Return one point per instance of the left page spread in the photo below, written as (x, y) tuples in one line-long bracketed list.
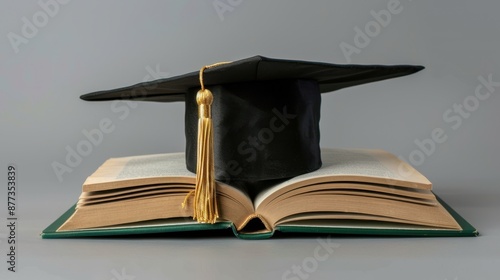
[(144, 188)]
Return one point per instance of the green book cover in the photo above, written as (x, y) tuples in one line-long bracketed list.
[(317, 227)]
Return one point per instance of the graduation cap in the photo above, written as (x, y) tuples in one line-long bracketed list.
[(251, 120)]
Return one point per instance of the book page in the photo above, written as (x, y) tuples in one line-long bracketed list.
[(360, 224), (160, 165), (356, 165), (139, 170)]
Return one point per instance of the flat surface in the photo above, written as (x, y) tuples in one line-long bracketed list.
[(443, 120)]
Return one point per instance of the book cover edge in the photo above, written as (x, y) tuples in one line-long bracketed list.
[(467, 229), (51, 231)]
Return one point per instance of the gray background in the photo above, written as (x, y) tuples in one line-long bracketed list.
[(86, 46)]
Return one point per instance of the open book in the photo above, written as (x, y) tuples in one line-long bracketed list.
[(354, 192)]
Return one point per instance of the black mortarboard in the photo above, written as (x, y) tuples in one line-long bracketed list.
[(265, 111)]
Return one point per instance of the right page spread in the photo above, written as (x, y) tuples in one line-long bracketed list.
[(356, 165)]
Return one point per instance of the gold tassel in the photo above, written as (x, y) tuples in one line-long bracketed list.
[(205, 208)]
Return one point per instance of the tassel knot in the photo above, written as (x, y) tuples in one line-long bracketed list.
[(204, 98)]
